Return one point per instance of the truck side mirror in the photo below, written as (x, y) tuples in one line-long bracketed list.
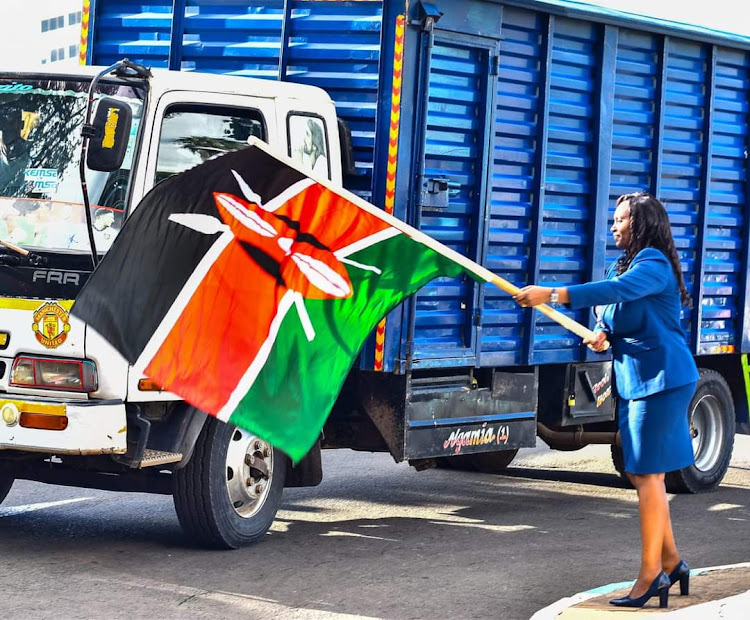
[(108, 135)]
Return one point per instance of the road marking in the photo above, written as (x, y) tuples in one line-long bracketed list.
[(17, 510), (719, 507), (356, 535)]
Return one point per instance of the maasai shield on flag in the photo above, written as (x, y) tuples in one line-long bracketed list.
[(247, 289)]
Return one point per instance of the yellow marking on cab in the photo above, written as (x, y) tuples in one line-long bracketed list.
[(122, 430), (3, 338), (43, 408), (14, 303)]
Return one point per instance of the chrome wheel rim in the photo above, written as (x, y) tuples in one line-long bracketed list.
[(249, 472), (707, 430)]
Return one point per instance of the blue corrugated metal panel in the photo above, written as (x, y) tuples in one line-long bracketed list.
[(631, 19), (511, 200), (569, 182), (336, 46), (635, 129), (134, 29), (235, 37), (453, 150), (636, 96), (602, 172), (723, 277), (682, 152), (333, 45)]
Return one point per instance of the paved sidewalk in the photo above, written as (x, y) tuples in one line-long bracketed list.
[(721, 592)]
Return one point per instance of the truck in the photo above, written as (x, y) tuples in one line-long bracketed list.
[(504, 129)]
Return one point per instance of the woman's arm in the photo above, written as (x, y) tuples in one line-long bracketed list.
[(649, 273)]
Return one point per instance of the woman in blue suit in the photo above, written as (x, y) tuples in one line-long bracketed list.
[(655, 374)]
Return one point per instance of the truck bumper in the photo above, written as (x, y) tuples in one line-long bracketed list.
[(90, 427)]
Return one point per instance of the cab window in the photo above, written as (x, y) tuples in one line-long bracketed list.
[(192, 134), (307, 137)]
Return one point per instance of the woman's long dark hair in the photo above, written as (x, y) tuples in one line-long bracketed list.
[(649, 228)]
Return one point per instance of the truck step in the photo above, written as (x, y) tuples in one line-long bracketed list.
[(159, 457)]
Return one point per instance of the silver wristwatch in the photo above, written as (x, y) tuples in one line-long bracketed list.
[(553, 296)]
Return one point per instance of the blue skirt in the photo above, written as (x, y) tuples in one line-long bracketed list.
[(655, 431)]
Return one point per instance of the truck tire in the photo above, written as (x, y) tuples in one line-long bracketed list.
[(711, 416), (227, 495), (618, 462), (6, 482), (485, 462)]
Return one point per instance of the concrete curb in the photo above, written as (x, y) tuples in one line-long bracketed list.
[(735, 606)]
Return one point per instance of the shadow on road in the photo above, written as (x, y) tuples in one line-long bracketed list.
[(386, 542)]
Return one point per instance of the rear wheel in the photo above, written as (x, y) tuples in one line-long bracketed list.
[(228, 494), (6, 482), (618, 461), (711, 416)]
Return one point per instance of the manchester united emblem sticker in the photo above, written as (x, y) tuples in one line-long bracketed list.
[(51, 325)]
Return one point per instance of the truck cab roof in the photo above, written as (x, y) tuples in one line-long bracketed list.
[(165, 81)]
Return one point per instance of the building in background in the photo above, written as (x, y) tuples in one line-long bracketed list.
[(40, 32)]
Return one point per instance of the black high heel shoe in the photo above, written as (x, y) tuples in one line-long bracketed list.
[(681, 573), (659, 586)]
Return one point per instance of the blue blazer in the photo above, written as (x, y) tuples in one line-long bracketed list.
[(642, 318)]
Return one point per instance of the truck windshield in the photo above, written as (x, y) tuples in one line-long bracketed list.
[(41, 204)]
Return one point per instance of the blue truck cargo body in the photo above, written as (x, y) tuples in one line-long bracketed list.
[(537, 114)]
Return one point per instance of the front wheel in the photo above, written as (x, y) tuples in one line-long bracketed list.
[(227, 495), (711, 416), (6, 482)]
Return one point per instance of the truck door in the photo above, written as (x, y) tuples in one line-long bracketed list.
[(450, 192), (192, 127)]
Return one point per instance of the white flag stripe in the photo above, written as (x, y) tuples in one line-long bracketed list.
[(366, 242), (354, 263), (251, 374), (181, 301), (246, 190), (289, 193), (206, 224), (304, 317)]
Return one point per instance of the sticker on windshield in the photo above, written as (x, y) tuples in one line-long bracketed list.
[(51, 324), (15, 87), (43, 178)]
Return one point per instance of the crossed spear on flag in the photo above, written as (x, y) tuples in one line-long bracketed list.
[(247, 288)]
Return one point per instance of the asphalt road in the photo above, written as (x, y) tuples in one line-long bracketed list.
[(375, 539)]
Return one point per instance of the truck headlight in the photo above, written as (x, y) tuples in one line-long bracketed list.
[(54, 374)]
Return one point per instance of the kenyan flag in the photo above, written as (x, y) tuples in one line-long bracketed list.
[(247, 289)]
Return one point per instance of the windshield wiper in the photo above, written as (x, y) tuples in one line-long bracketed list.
[(9, 259)]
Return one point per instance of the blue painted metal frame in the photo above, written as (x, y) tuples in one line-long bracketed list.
[(286, 27), (744, 297), (602, 167), (495, 417), (535, 244), (176, 34), (482, 238), (425, 42), (479, 224), (704, 207), (92, 31), (661, 89)]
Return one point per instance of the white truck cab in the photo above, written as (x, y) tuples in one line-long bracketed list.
[(72, 411)]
